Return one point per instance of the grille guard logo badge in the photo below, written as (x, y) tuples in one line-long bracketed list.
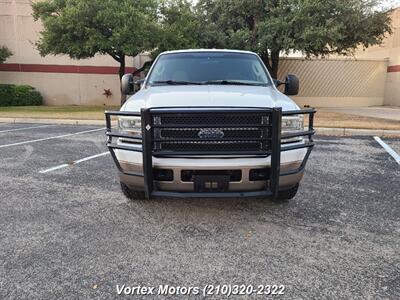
[(211, 133)]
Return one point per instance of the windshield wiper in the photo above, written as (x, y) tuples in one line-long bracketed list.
[(176, 82), (233, 82), (227, 82)]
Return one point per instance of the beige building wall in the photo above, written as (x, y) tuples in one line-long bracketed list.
[(390, 50), (392, 92), (337, 82), (69, 89), (64, 85)]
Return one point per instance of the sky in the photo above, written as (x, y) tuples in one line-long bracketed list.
[(391, 3)]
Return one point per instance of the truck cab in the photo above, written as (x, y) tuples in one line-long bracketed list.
[(210, 123)]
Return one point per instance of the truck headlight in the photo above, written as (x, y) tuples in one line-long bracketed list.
[(130, 125), (292, 124)]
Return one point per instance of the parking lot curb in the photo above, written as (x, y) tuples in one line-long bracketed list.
[(53, 121), (357, 132), (320, 130)]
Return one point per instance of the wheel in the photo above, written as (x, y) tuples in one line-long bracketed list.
[(287, 194), (131, 194)]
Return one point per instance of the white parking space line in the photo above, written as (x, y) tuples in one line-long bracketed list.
[(51, 138), (24, 128), (388, 149), (54, 168), (73, 162)]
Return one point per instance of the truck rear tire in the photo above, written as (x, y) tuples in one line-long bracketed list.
[(132, 194), (287, 194)]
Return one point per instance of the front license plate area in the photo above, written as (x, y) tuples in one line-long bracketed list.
[(211, 183)]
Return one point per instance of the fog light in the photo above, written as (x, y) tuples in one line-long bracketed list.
[(259, 174), (163, 174)]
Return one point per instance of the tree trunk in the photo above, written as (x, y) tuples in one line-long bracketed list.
[(265, 59), (274, 63), (121, 73)]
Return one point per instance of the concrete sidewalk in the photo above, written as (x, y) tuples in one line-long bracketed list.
[(357, 132), (380, 112), (54, 121)]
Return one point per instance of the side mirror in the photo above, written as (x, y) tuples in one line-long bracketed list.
[(127, 84), (277, 82), (137, 85), (291, 85)]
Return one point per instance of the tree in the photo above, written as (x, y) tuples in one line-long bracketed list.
[(179, 26), (271, 27), (4, 54), (84, 28)]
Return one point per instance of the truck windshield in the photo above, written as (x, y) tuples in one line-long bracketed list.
[(209, 68)]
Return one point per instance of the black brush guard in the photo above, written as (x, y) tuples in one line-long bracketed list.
[(273, 138)]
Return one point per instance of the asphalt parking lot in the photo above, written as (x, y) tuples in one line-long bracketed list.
[(68, 232)]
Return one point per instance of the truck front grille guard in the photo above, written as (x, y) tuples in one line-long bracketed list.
[(273, 136)]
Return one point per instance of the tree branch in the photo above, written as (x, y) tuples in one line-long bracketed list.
[(118, 58)]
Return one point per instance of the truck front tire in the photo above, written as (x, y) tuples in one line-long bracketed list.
[(287, 194), (131, 194)]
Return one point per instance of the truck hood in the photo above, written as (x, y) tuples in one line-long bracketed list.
[(209, 95)]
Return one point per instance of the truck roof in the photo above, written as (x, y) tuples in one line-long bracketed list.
[(207, 50)]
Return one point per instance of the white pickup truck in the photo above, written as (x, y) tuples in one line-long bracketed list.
[(210, 123)]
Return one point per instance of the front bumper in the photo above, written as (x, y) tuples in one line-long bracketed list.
[(178, 185), (132, 162), (286, 162)]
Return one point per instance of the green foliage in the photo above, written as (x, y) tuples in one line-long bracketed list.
[(83, 28), (19, 95), (178, 26), (270, 27), (7, 94), (27, 95), (4, 54)]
